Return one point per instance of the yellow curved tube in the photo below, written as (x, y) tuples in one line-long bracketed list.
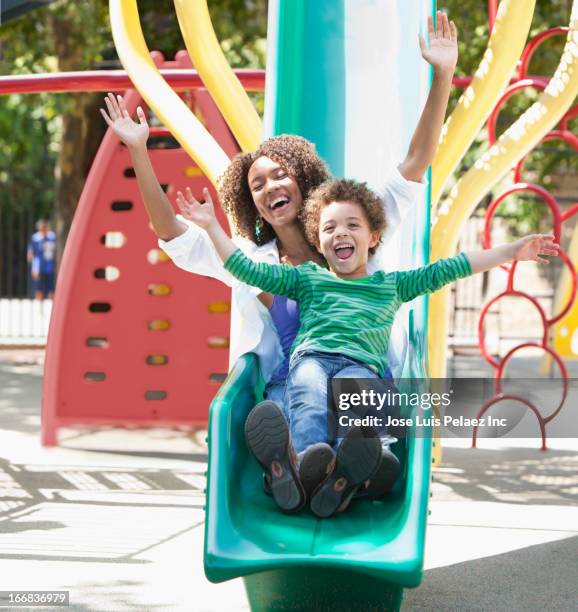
[(219, 79), (490, 79), (171, 110), (516, 142), (566, 330)]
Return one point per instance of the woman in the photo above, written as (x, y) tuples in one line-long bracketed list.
[(263, 192)]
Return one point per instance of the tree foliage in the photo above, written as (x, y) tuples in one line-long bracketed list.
[(48, 141), (548, 163)]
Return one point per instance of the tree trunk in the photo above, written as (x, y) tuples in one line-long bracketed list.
[(82, 128), (82, 131)]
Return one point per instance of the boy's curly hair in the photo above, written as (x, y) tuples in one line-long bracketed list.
[(297, 155), (342, 190)]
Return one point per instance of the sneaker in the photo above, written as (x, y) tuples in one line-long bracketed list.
[(357, 459), (315, 464), (267, 484), (317, 461), (383, 480), (267, 436)]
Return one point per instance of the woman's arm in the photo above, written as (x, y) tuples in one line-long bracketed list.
[(442, 55), (135, 135), (189, 247)]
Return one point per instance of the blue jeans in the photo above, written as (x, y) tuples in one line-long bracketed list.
[(306, 395), (275, 392)]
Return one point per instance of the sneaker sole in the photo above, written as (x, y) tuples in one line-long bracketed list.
[(358, 458), (384, 478), (313, 467), (267, 436)]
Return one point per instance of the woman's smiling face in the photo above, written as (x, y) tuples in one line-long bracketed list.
[(275, 192)]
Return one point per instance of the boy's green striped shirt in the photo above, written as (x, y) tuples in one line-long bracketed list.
[(349, 317)]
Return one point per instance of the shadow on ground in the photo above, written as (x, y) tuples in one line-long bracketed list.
[(500, 583), (20, 390), (514, 475)]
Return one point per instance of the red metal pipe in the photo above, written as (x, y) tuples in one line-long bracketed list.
[(517, 398), (492, 12), (572, 270), (521, 187), (481, 331), (555, 357), (570, 212), (571, 114), (538, 82), (531, 47), (117, 80), (565, 136), (508, 356), (114, 80), (464, 81)]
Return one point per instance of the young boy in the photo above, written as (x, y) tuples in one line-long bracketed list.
[(346, 318)]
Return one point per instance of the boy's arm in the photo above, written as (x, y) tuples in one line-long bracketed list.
[(278, 279), (529, 248), (194, 252), (430, 278), (135, 135), (442, 55)]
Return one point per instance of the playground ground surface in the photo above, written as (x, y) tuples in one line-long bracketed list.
[(116, 516)]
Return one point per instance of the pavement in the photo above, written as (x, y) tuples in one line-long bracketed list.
[(115, 516)]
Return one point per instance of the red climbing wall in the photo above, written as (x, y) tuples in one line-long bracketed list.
[(133, 340)]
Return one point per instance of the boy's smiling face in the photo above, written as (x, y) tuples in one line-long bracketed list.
[(345, 239)]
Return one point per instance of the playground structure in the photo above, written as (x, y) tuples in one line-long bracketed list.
[(546, 120), (282, 559)]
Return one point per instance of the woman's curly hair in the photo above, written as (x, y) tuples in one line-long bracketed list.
[(297, 155), (343, 190)]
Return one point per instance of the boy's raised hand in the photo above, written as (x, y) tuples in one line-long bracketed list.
[(200, 213), (531, 247), (131, 133), (203, 215), (442, 53)]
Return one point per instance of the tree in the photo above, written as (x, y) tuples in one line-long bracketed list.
[(547, 162), (58, 135)]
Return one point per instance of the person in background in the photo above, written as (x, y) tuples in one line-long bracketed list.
[(41, 257)]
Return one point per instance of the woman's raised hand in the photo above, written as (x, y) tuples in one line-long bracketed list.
[(131, 133), (200, 213), (442, 53)]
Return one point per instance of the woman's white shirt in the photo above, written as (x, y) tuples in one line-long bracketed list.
[(252, 328)]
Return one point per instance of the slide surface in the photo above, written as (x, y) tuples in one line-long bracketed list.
[(340, 73)]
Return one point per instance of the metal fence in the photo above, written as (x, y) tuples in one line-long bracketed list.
[(24, 322), (16, 229)]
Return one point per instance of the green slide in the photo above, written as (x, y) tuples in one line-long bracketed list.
[(347, 75)]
